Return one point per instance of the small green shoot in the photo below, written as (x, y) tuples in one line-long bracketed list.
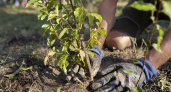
[(4, 61), (127, 71), (136, 89), (59, 89), (22, 67), (35, 56), (136, 62), (163, 83)]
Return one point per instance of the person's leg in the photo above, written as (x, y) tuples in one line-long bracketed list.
[(156, 58), (128, 25), (107, 10), (117, 39)]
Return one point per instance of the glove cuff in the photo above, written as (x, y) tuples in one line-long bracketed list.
[(149, 70), (98, 51)]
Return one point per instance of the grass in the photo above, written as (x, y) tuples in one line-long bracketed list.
[(19, 21)]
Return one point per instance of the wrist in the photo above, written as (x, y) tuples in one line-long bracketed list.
[(149, 69), (98, 51)]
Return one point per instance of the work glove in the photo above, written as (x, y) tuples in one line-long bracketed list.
[(95, 62), (116, 77)]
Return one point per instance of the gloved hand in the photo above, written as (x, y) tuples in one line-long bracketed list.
[(95, 62), (116, 80)]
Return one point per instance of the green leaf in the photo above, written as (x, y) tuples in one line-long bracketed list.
[(22, 67), (58, 20), (91, 53), (78, 12), (152, 18), (35, 67), (51, 39), (52, 15), (90, 17), (136, 62), (42, 14), (51, 30), (140, 55), (45, 27), (78, 15), (59, 88), (98, 23), (127, 71), (167, 7), (38, 4), (46, 59), (134, 72), (36, 90), (64, 15), (136, 89), (10, 75), (31, 2), (140, 5), (53, 2), (63, 32), (136, 79), (64, 68), (62, 62), (51, 53), (145, 42), (73, 45), (97, 16), (35, 56), (64, 48), (57, 9), (102, 32), (156, 47), (159, 38)]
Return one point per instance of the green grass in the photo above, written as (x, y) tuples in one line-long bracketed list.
[(18, 21)]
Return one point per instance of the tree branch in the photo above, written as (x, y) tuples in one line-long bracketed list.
[(73, 13), (86, 56), (147, 46)]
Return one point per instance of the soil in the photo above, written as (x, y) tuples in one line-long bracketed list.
[(41, 78)]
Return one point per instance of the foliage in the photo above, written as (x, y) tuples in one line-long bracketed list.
[(163, 83), (66, 23), (136, 89), (4, 61), (58, 89), (142, 6)]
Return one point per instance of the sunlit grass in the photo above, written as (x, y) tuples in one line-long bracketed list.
[(19, 21)]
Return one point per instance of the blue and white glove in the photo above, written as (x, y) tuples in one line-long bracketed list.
[(95, 62), (115, 79)]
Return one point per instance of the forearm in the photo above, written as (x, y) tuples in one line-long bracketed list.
[(107, 10), (157, 59)]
